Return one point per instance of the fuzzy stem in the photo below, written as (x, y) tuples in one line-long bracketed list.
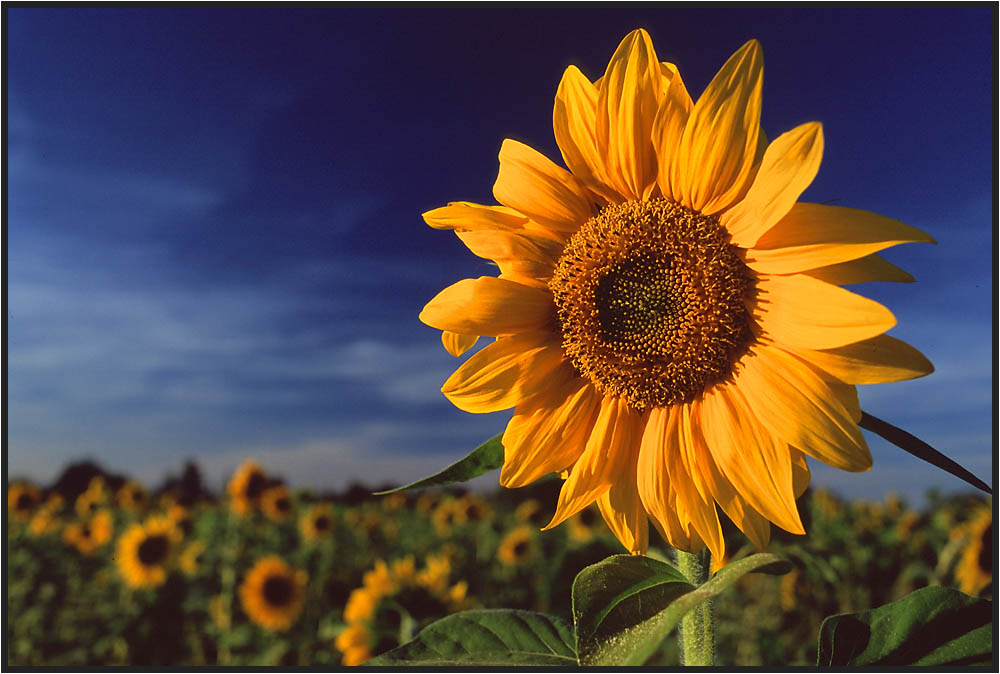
[(697, 633)]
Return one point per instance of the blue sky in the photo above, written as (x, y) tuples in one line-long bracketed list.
[(215, 247)]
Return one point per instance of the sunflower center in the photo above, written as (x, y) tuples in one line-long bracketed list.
[(24, 502), (283, 504), (278, 590), (322, 523), (521, 549), (153, 550), (650, 298)]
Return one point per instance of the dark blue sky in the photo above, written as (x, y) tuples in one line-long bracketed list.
[(214, 238)]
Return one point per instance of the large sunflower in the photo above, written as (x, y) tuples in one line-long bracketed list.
[(273, 593), (670, 325)]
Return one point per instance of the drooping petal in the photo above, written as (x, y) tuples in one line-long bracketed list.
[(457, 344), (604, 459), (467, 216), (652, 480), (874, 361), (627, 102), (868, 268), (550, 433), (574, 120), (503, 374), (794, 402), (800, 472), (720, 138), (814, 235), (789, 165), (489, 306), (754, 461), (804, 312), (668, 129), (530, 183), (622, 509), (698, 509)]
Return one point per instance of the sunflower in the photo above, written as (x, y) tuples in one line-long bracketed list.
[(428, 501), (131, 496), (530, 512), (975, 568), (22, 499), (584, 525), (470, 509), (146, 552), (91, 534), (317, 523), (276, 503), (273, 593), (670, 324), (355, 642), (190, 560), (394, 502), (518, 547), (245, 487)]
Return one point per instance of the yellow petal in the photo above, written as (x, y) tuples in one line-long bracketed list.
[(629, 96), (696, 508), (668, 128), (813, 235), (574, 120), (489, 306), (550, 433), (622, 510), (533, 185), (500, 245), (457, 344), (755, 462), (794, 402), (800, 472), (720, 138), (503, 374), (789, 165), (873, 361), (869, 268), (464, 215), (603, 461), (804, 312), (652, 479)]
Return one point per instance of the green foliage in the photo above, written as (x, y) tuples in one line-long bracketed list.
[(934, 626), (484, 458), (487, 638)]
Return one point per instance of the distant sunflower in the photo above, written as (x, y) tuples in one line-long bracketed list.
[(428, 501), (355, 643), (317, 523), (131, 496), (445, 516), (975, 568), (530, 512), (272, 594), (190, 559), (90, 534), (471, 508), (181, 517), (146, 552), (584, 525), (245, 487), (669, 322), (276, 503), (22, 499), (518, 547), (393, 502)]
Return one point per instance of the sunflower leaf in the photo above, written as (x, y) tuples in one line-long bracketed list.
[(933, 626), (484, 458), (920, 449), (487, 638), (624, 606)]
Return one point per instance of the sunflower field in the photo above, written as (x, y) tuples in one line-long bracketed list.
[(265, 575)]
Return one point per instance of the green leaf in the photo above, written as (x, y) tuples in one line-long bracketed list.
[(932, 626), (484, 458), (626, 605), (487, 638)]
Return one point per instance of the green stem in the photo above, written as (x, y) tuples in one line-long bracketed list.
[(697, 633)]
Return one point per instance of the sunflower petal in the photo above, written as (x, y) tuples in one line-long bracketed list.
[(869, 268), (652, 480), (874, 361), (629, 96), (503, 374), (756, 463), (622, 510), (789, 165), (800, 472), (603, 461), (500, 245), (696, 508), (574, 120), (804, 312), (813, 235), (465, 216), (530, 183), (548, 435), (668, 129), (457, 344), (794, 402), (720, 138), (488, 306)]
